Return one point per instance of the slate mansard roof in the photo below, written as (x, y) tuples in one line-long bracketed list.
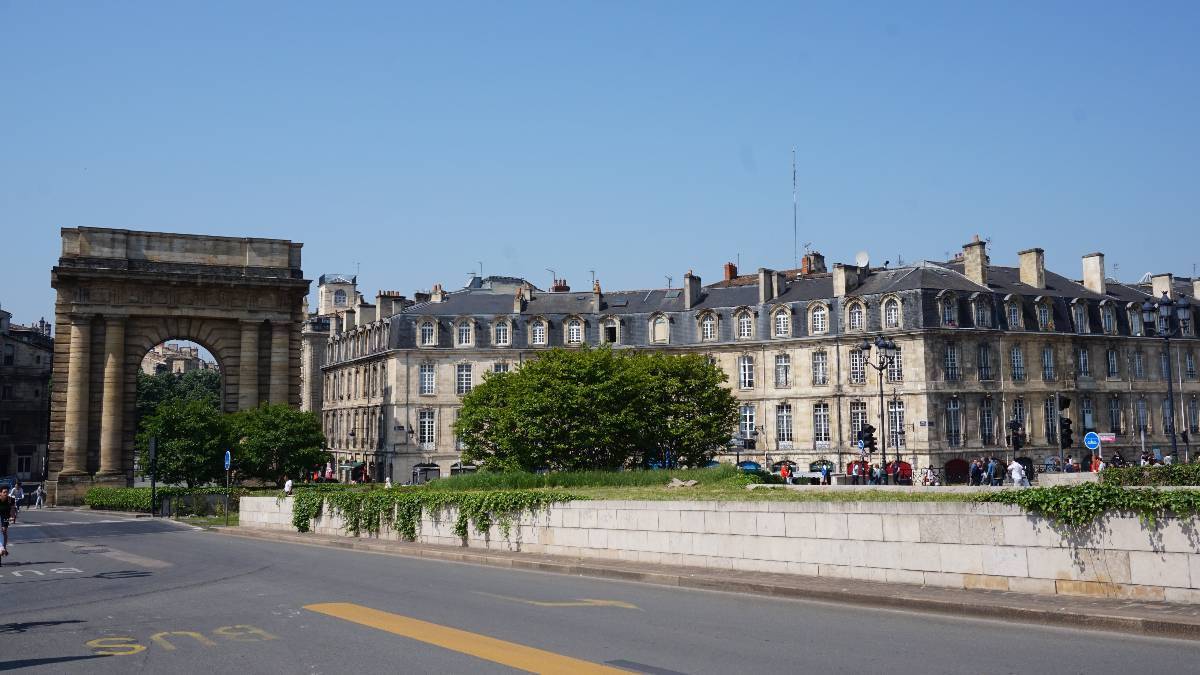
[(922, 289)]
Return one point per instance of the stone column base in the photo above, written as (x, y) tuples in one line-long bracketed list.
[(70, 490)]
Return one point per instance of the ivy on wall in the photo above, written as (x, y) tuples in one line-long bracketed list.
[(1079, 506)]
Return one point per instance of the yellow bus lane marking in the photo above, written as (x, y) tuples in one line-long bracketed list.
[(521, 657), (579, 602)]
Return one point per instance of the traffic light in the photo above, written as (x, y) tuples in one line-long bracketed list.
[(1065, 438), (867, 436)]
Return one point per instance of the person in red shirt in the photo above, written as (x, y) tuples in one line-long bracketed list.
[(786, 472)]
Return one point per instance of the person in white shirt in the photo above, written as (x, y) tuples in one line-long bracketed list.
[(387, 482), (287, 487), (1017, 472)]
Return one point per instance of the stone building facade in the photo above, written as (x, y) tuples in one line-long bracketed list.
[(978, 345), (175, 358), (26, 354)]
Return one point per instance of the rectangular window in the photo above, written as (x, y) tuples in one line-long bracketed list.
[(1048, 372), (820, 368), (895, 369), (1110, 322), (1189, 365), (858, 367), (538, 334), (502, 333), (426, 378), (858, 418), (500, 367), (1019, 411), (821, 422), (1018, 364), (1164, 367), (953, 423), (1089, 420), (1085, 362), (464, 379), (985, 362), (1114, 415), (1043, 314), (783, 370), (426, 428), (464, 333), (9, 354), (951, 364), (575, 331), (427, 333), (708, 327), (949, 312), (746, 421), (1143, 418), (896, 423), (982, 315), (1135, 323), (1193, 416), (1014, 317), (1050, 413), (783, 423), (1081, 321), (1139, 365), (746, 372), (1168, 417), (987, 421), (1114, 365)]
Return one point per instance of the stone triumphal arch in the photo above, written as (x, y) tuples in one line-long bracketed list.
[(121, 292)]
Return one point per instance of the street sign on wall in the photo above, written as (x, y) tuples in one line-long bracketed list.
[(1091, 441)]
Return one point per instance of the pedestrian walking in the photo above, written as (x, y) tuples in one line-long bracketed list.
[(39, 496), (785, 472), (1016, 472), (8, 513), (824, 474), (287, 487)]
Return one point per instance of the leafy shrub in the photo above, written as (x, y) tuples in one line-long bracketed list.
[(1165, 475), (138, 499), (519, 480), (1081, 505)]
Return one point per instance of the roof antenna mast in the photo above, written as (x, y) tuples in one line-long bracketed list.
[(795, 229)]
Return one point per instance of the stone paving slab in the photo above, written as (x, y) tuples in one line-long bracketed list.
[(1145, 618)]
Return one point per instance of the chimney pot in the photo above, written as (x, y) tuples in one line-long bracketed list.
[(731, 271)]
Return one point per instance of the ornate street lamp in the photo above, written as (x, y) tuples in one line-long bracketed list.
[(886, 355), (1158, 314)]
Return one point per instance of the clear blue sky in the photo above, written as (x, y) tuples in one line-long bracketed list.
[(638, 139)]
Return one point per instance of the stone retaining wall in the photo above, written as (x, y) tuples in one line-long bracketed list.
[(947, 544)]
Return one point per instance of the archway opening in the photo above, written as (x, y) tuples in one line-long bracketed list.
[(170, 374)]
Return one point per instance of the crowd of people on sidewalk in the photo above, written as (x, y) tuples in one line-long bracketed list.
[(992, 471)]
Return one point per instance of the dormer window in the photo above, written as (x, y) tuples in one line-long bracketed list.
[(1079, 313), (660, 330), (891, 313), (1014, 316), (949, 311), (428, 334), (782, 323), (818, 319), (612, 331), (1135, 322), (1043, 316), (574, 332), (501, 334), (708, 327), (465, 334), (745, 324), (855, 316), (983, 314), (537, 333), (1108, 319)]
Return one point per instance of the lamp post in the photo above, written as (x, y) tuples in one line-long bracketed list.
[(887, 354), (1157, 314)]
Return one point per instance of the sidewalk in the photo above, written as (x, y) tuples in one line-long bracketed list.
[(1156, 619)]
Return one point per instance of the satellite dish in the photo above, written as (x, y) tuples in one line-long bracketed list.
[(862, 259)]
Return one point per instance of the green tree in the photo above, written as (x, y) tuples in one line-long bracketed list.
[(192, 437), (194, 385), (596, 409), (275, 441), (688, 411)]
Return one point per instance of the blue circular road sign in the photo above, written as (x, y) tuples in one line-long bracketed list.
[(1091, 440), (861, 445)]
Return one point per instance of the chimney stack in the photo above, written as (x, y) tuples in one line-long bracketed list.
[(560, 286), (730, 271), (597, 297), (1163, 283), (975, 261), (1093, 273), (812, 263), (1033, 267), (519, 301), (780, 283), (766, 285), (438, 295), (691, 290), (845, 279)]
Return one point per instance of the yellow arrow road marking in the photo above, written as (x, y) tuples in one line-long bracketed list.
[(581, 602), (521, 657)]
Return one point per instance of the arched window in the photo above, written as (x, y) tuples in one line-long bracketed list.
[(427, 333), (465, 333), (537, 333), (708, 327), (1014, 316), (983, 313), (500, 334), (891, 313), (1109, 320), (745, 324), (339, 297), (574, 332), (783, 323), (855, 316), (1043, 315), (949, 310), (1081, 318), (659, 329), (819, 320)]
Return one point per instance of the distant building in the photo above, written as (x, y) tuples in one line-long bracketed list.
[(175, 358), (981, 347), (25, 366)]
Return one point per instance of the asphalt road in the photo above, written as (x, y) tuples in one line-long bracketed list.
[(95, 593)]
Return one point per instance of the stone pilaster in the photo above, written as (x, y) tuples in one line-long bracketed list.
[(112, 414), (280, 361), (75, 433), (248, 368)]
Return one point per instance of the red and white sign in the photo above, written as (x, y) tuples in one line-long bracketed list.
[(1108, 438)]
